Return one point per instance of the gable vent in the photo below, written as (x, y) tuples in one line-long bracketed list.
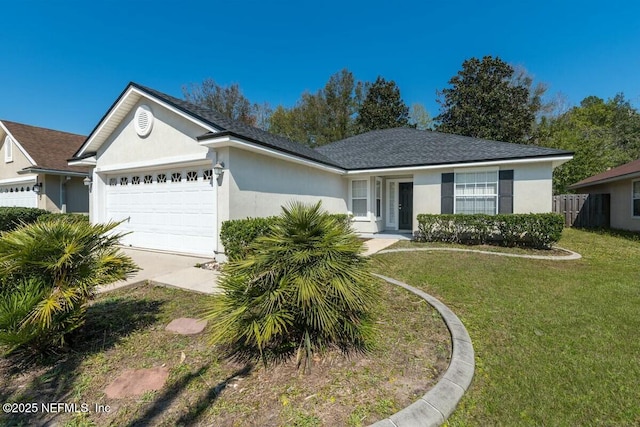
[(143, 120)]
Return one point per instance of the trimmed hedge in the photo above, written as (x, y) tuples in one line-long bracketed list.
[(11, 218), (72, 217), (539, 231), (236, 235)]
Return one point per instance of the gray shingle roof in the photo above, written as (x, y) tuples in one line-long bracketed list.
[(234, 127), (411, 147)]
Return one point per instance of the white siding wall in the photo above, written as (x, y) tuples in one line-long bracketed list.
[(532, 187), (172, 137), (620, 211)]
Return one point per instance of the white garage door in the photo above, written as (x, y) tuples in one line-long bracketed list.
[(173, 209), (18, 195)]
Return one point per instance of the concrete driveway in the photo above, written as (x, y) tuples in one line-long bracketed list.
[(168, 269)]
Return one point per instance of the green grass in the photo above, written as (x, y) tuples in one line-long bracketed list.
[(556, 341)]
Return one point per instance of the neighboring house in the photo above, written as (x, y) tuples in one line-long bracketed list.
[(156, 161), (34, 171), (623, 186)]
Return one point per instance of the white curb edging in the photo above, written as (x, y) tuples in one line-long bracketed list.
[(438, 404), (572, 255)]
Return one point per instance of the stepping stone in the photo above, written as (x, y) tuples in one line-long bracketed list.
[(186, 326), (135, 382)]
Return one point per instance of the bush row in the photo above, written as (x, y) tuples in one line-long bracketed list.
[(531, 230), (11, 218), (236, 235)]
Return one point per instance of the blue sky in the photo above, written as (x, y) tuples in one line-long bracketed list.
[(63, 63)]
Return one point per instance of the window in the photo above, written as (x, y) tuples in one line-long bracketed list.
[(113, 182), (192, 176), (124, 180), (359, 198), (207, 174), (161, 177), (148, 179), (8, 149), (378, 198), (135, 180), (636, 198), (476, 193), (176, 177)]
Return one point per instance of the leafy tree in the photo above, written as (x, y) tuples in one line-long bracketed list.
[(488, 100), (419, 117), (603, 135), (227, 100), (303, 287), (50, 270), (321, 117), (382, 108)]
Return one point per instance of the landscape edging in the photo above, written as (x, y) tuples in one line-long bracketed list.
[(438, 404), (572, 255)]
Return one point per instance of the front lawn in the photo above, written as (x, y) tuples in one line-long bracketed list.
[(556, 341), (125, 330)]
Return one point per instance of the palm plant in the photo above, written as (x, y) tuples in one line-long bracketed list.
[(49, 271), (304, 287)]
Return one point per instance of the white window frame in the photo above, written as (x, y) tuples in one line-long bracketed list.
[(8, 149), (359, 218), (476, 170), (377, 199), (633, 198)]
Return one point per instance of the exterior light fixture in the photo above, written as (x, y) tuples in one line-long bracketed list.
[(87, 181), (37, 188), (218, 169)]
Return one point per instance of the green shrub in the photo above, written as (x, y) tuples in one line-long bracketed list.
[(303, 287), (11, 218), (238, 234), (50, 270), (64, 216), (531, 230)]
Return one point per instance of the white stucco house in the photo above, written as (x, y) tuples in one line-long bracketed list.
[(153, 157), (34, 172)]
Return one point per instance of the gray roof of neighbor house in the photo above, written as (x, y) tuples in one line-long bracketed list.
[(626, 171), (405, 147), (47, 147)]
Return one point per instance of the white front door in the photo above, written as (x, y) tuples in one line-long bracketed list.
[(167, 209)]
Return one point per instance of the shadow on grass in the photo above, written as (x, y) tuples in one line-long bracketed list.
[(107, 323), (633, 236), (165, 399)]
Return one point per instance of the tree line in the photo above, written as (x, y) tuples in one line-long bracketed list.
[(488, 98)]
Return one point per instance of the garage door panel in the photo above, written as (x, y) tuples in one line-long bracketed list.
[(177, 216)]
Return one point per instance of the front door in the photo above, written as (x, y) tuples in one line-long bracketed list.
[(405, 218)]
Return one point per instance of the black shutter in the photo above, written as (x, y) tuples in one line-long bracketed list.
[(446, 195), (505, 194)]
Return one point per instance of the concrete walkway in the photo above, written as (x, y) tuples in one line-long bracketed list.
[(168, 269)]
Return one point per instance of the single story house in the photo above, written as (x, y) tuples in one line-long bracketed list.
[(34, 171), (623, 186), (174, 171)]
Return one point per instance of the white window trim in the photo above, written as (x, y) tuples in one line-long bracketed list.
[(359, 218), (376, 198), (632, 199), (473, 170), (8, 149), (395, 225)]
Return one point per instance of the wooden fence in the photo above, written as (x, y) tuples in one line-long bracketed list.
[(583, 210)]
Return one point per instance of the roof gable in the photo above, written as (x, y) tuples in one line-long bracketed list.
[(211, 120), (628, 170), (45, 148)]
